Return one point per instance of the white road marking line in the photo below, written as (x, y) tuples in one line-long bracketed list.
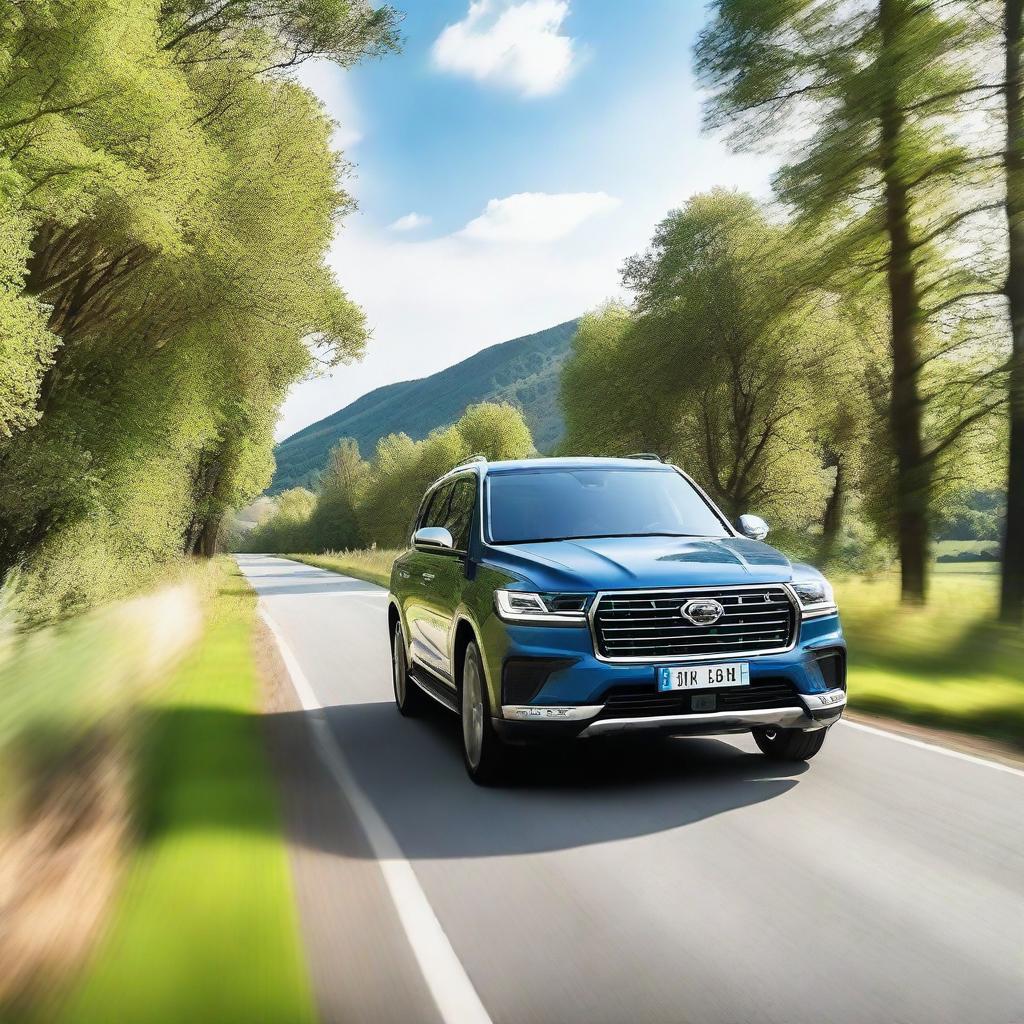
[(456, 998), (949, 752)]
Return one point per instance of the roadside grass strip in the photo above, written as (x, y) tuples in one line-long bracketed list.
[(948, 664), (206, 927), (373, 565)]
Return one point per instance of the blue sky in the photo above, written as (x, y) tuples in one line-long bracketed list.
[(505, 164)]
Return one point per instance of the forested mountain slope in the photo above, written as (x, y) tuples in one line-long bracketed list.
[(524, 371)]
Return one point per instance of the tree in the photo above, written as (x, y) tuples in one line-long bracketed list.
[(601, 390), (335, 523), (728, 363), (885, 170), (286, 529), (1012, 586), (170, 200), (403, 469)]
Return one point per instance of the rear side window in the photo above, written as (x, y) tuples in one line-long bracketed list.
[(437, 507), (459, 516)]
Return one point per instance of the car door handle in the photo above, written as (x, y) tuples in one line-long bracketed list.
[(428, 575)]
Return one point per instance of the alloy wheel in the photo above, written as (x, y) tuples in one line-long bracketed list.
[(472, 711)]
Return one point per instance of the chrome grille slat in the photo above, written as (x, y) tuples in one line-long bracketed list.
[(776, 624), (644, 626), (669, 614)]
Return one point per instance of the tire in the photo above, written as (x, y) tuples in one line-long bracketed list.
[(409, 698), (789, 744), (485, 756)]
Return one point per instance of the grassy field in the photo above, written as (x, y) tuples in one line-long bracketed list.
[(203, 927), (947, 664)]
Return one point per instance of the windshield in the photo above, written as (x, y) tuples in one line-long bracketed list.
[(564, 504)]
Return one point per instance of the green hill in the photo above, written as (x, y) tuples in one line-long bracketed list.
[(524, 371)]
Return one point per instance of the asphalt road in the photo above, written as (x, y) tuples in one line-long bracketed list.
[(689, 881)]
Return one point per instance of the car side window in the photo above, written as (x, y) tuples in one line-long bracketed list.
[(437, 507), (460, 512)]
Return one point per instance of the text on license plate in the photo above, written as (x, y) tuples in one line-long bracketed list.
[(701, 677)]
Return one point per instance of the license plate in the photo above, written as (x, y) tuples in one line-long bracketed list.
[(703, 677)]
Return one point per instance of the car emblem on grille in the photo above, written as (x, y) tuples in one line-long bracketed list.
[(702, 612)]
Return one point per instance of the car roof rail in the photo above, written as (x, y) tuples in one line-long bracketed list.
[(648, 456), (472, 460)]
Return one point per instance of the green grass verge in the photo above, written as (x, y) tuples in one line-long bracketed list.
[(948, 664), (206, 928), (370, 564)]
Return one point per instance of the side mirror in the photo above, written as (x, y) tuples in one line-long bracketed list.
[(433, 537), (753, 527)]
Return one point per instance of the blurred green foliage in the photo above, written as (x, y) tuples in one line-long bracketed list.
[(948, 664), (205, 927), (167, 195), (890, 166)]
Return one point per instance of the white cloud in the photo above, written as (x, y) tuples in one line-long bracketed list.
[(536, 216), (331, 85), (432, 302), (410, 222), (517, 45)]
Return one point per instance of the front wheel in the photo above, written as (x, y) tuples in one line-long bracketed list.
[(484, 753), (409, 698), (789, 744)]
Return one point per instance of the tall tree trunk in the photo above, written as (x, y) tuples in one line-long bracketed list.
[(1012, 591), (206, 543), (905, 409), (835, 507), (204, 527)]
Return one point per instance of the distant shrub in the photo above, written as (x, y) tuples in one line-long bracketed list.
[(990, 555)]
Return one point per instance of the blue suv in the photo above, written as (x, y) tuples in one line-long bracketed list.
[(559, 598)]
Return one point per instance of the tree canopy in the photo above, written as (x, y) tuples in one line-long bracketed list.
[(167, 197)]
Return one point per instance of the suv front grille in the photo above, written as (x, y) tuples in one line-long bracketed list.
[(644, 701), (641, 626)]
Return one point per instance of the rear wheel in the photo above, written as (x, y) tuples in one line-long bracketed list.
[(484, 753), (789, 744), (408, 696)]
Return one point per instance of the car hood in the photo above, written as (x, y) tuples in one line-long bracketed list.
[(611, 563)]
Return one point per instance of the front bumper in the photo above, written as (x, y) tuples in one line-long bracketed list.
[(525, 722), (572, 701)]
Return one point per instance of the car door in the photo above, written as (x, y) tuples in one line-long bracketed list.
[(420, 603), (444, 574), (451, 566)]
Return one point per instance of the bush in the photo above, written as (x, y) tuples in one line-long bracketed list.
[(971, 556)]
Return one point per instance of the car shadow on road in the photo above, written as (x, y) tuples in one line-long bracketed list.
[(560, 798)]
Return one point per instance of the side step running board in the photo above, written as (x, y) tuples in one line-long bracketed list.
[(444, 695)]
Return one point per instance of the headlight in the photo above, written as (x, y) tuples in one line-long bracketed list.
[(816, 597), (542, 609)]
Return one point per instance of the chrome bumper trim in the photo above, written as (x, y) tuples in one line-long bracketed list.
[(830, 700), (549, 713), (728, 721)]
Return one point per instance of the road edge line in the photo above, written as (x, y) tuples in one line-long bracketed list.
[(453, 992), (936, 747)]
